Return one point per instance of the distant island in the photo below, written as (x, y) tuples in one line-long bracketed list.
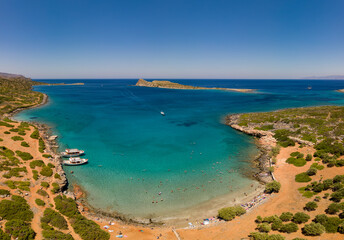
[(167, 84), (330, 77)]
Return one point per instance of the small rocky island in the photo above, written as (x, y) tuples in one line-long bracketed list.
[(167, 84)]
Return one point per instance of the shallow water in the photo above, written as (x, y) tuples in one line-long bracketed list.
[(135, 153)]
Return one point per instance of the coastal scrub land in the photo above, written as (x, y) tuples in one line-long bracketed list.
[(167, 84), (301, 166)]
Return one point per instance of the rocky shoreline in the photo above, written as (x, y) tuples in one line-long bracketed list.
[(265, 143)]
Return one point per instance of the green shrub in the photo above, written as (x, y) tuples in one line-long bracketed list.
[(42, 192), (259, 219), (337, 186), (270, 219), (54, 218), (276, 224), (41, 145), (46, 171), (327, 184), (297, 162), (35, 134), (333, 208), (56, 188), (258, 236), (15, 172), (46, 155), (25, 186), (338, 178), (332, 224), (17, 138), (45, 184), (35, 174), (16, 208), (317, 166), (4, 192), (56, 235), (24, 144), (88, 230), (273, 186), (264, 227), (311, 206), (230, 213), (24, 155), (286, 216), (36, 163), (66, 206), (289, 228), (302, 177), (275, 237), (4, 236), (341, 228), (51, 165), (19, 229), (57, 176), (336, 196), (309, 157), (313, 229), (7, 132), (300, 217), (40, 202), (311, 171)]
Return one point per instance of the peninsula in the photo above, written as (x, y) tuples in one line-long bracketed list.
[(167, 84)]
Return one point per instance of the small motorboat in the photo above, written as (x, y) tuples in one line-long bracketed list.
[(309, 87), (74, 161), (72, 152), (162, 113)]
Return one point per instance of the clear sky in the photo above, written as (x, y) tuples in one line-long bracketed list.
[(172, 38)]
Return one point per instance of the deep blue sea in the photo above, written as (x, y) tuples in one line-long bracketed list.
[(189, 156)]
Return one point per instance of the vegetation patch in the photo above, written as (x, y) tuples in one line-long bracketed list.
[(25, 186), (24, 144), (20, 229), (87, 229), (54, 218), (230, 213), (40, 202), (35, 134), (42, 192), (273, 186), (16, 208), (17, 138), (302, 177), (46, 171), (36, 163), (24, 155)]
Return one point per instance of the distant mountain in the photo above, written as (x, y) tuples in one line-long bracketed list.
[(11, 76), (330, 77)]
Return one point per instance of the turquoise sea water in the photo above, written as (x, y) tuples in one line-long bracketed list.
[(135, 153)]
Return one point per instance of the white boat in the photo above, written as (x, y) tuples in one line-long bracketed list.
[(72, 152), (74, 161), (162, 113)]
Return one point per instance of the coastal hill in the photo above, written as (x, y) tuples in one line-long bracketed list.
[(171, 85), (16, 92)]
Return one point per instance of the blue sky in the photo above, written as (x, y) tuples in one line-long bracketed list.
[(172, 38)]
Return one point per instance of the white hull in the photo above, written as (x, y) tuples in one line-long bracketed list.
[(75, 153), (75, 161)]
